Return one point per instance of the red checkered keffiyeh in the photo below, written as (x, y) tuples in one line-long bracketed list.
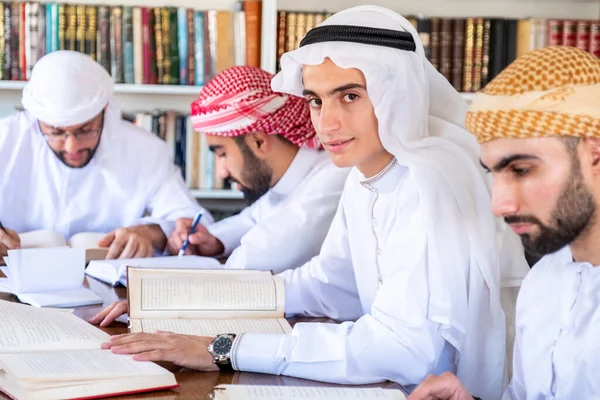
[(239, 101)]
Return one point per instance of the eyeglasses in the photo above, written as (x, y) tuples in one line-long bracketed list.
[(81, 135)]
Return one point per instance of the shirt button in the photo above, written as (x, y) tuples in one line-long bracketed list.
[(374, 222), (378, 252)]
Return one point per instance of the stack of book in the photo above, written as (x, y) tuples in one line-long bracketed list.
[(469, 52), (136, 45)]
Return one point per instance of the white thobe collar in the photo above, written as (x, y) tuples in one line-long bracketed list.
[(386, 181), (298, 169)]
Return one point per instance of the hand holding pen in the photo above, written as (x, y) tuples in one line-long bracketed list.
[(186, 243)]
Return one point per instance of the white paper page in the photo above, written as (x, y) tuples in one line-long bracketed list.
[(213, 327), (28, 329), (41, 238), (76, 365), (86, 240), (41, 270), (62, 298), (235, 392), (208, 293), (115, 271)]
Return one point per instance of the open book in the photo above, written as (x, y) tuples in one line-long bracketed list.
[(50, 354), (83, 240), (205, 302), (242, 392), (47, 277), (114, 272)]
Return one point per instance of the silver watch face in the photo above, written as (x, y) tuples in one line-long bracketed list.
[(222, 345)]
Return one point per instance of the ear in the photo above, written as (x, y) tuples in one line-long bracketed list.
[(260, 143), (591, 148)]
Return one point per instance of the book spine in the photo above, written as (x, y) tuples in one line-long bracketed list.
[(446, 48), (182, 44), (210, 66), (485, 61), (117, 40), (191, 63), (300, 29), (160, 50), (138, 46), (174, 46), (569, 33), (128, 54), (152, 48), (291, 26), (71, 28), (458, 52), (6, 64), (477, 54), (145, 44), (583, 35), (595, 38), (281, 36), (33, 48), (15, 72), (103, 41), (2, 41), (555, 32), (435, 44), (56, 27), (469, 52), (23, 36), (80, 29), (91, 31), (41, 17), (199, 47), (253, 17)]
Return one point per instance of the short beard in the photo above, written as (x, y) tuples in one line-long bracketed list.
[(256, 173), (574, 213), (89, 155)]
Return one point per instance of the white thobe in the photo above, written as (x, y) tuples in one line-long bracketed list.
[(373, 268), (557, 346), (130, 180), (286, 227)]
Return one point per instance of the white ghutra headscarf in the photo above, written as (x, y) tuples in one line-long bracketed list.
[(421, 122)]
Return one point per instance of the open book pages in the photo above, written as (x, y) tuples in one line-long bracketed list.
[(243, 392), (206, 302), (25, 328), (52, 354), (48, 277), (114, 272), (83, 240)]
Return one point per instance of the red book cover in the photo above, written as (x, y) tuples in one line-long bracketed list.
[(555, 32), (595, 38), (583, 35), (145, 45), (569, 33)]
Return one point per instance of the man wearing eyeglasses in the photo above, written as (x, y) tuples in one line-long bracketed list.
[(70, 164)]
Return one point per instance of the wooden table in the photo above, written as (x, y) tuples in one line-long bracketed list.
[(194, 384)]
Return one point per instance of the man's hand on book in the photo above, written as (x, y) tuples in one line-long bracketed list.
[(109, 314), (133, 242), (188, 351), (442, 387), (202, 243), (9, 240)]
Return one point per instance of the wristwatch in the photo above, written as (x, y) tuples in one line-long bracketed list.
[(220, 349)]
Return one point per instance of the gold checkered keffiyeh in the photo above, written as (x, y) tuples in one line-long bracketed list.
[(554, 91)]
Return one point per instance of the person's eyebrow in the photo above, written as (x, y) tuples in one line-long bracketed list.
[(347, 86), (506, 161)]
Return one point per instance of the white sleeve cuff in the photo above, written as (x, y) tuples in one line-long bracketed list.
[(257, 352)]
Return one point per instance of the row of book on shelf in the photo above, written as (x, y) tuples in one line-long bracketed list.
[(469, 52), (136, 45), (190, 150)]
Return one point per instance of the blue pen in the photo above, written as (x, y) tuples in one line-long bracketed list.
[(192, 230)]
